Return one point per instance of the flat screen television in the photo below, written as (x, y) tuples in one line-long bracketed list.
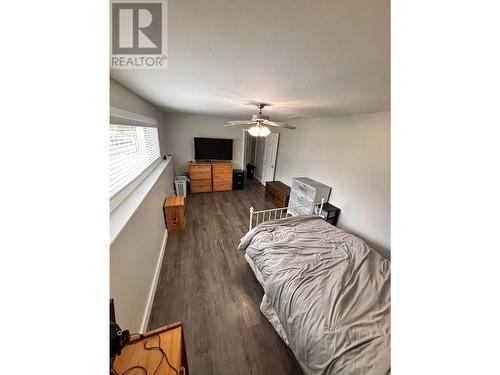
[(213, 149)]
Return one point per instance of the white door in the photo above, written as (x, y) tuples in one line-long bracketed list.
[(270, 154)]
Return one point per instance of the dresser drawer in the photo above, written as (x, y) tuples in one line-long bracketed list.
[(199, 172), (201, 186), (300, 199), (300, 210), (303, 189), (226, 178), (223, 186), (222, 173), (222, 168), (295, 211)]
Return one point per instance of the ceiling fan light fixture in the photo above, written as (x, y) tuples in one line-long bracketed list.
[(259, 131), (264, 131), (254, 131)]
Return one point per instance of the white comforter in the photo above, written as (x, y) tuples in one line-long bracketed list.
[(330, 291)]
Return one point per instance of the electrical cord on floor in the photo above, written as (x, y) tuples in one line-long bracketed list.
[(142, 368)]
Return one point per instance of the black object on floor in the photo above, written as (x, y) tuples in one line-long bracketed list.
[(330, 213), (188, 184), (250, 170), (238, 179)]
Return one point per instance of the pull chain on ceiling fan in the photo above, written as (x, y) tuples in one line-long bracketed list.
[(259, 121)]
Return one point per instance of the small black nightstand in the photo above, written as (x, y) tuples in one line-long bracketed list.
[(238, 179), (330, 213)]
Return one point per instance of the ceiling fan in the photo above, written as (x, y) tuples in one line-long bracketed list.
[(260, 123)]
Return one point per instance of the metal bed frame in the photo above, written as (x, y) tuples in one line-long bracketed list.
[(272, 214)]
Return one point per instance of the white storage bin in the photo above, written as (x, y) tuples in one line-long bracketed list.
[(181, 186)]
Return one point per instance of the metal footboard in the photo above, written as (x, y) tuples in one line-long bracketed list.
[(259, 217)]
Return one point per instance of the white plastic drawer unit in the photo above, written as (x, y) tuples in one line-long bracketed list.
[(302, 188), (299, 198), (306, 190), (299, 210), (293, 212)]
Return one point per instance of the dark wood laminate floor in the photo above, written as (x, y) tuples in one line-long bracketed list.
[(206, 283)]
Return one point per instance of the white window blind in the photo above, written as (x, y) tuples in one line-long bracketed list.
[(132, 149)]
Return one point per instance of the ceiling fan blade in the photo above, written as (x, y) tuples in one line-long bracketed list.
[(236, 123), (279, 124)]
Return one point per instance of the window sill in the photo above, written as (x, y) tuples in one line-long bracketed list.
[(122, 214)]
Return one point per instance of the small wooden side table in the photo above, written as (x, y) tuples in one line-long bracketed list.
[(175, 218), (172, 342)]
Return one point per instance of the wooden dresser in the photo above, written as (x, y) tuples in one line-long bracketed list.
[(278, 192), (206, 177), (222, 176), (200, 176), (171, 338)]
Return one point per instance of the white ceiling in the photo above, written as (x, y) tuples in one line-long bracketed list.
[(310, 58)]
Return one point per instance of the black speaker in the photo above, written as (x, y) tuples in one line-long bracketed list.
[(238, 179)]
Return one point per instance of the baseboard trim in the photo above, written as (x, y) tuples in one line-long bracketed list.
[(152, 291)]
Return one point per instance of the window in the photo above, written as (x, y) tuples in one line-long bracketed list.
[(132, 149)]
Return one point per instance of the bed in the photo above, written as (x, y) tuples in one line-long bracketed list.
[(326, 293)]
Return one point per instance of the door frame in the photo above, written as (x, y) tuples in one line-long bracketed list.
[(243, 148), (243, 152)]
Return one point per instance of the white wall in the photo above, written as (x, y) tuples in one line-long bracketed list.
[(182, 128), (135, 253), (352, 155)]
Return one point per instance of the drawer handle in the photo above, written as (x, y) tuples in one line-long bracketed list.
[(182, 371)]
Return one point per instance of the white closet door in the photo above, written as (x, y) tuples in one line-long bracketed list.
[(270, 154)]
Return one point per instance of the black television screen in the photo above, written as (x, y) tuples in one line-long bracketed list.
[(213, 149)]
